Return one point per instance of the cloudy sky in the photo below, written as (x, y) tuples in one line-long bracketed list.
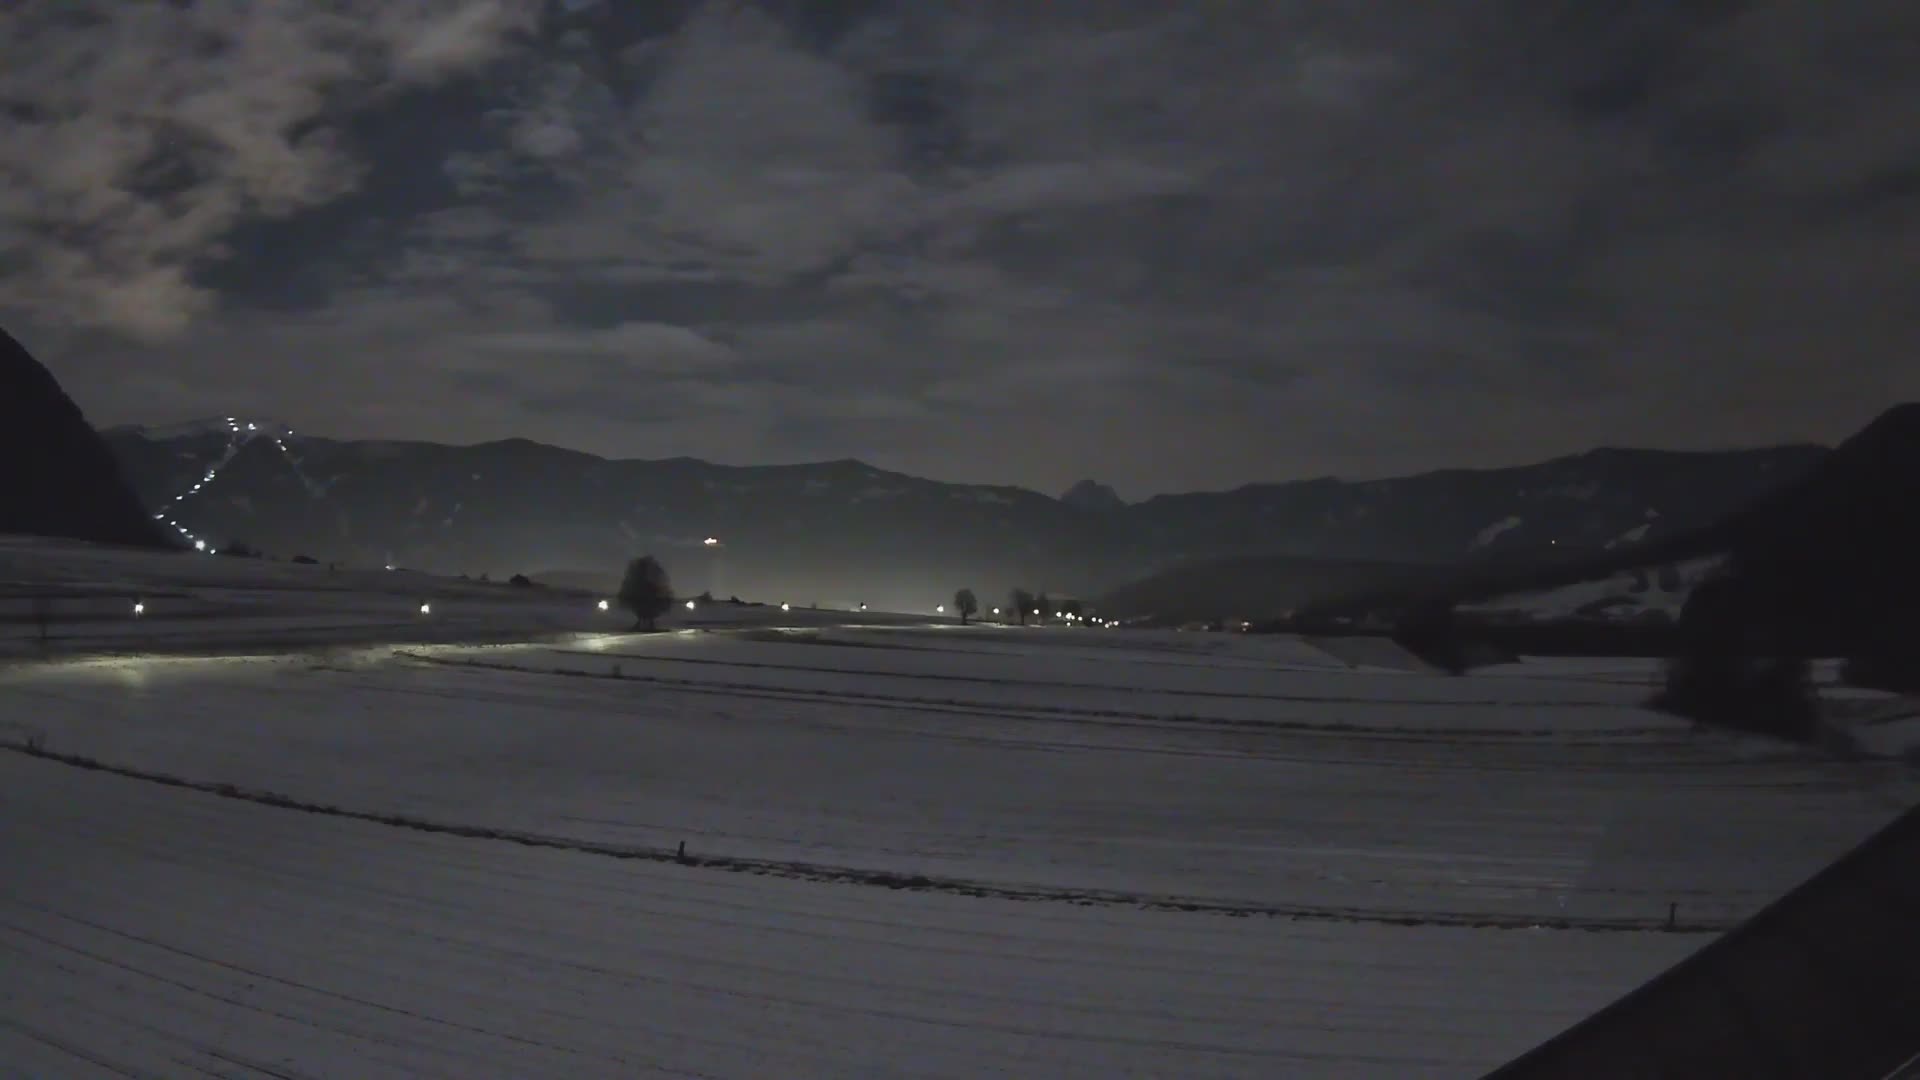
[(1169, 246)]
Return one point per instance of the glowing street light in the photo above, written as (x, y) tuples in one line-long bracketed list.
[(690, 605), (996, 611), (711, 542), (199, 545), (139, 609), (426, 609), (786, 607), (940, 609), (603, 605)]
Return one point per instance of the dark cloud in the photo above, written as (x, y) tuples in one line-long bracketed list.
[(1167, 245)]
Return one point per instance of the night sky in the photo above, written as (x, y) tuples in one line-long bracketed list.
[(1169, 246)]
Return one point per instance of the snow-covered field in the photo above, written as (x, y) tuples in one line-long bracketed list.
[(1660, 591), (911, 849), (111, 599)]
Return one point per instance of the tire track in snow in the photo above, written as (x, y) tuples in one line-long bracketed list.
[(1048, 684), (1376, 731), (890, 879)]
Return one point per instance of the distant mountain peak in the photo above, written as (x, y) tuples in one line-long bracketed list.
[(1093, 495)]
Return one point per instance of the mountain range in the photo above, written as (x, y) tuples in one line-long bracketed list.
[(842, 532)]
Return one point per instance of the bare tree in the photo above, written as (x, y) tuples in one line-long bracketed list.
[(1022, 601), (966, 604), (646, 591)]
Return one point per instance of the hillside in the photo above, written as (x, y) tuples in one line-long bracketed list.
[(57, 478), (1257, 587), (845, 531), (1821, 566), (1832, 562)]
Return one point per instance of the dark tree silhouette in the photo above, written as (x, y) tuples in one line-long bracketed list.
[(1022, 601), (646, 591), (1044, 606), (966, 604), (1734, 667)]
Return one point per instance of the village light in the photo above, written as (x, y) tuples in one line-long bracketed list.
[(199, 545), (940, 609), (139, 609), (603, 605), (786, 607), (426, 609), (690, 605), (712, 542)]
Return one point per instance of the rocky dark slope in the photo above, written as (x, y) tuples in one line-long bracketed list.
[(57, 476)]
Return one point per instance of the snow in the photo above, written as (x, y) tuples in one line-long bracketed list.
[(200, 602), (1493, 532), (1615, 592), (917, 849), (1631, 536)]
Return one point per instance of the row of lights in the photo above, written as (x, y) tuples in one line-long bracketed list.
[(1063, 615), (233, 438)]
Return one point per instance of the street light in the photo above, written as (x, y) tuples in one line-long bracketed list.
[(139, 609), (426, 609), (711, 542), (199, 545), (786, 607), (690, 605), (603, 605), (940, 609)]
